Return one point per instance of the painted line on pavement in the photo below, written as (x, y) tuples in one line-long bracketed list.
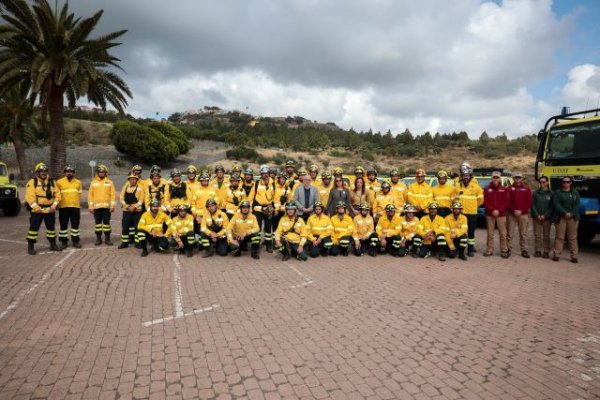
[(174, 317), (13, 241), (41, 281), (307, 279)]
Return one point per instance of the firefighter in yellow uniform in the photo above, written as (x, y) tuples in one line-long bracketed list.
[(191, 182), (456, 238), (283, 195), (324, 187), (234, 195), (243, 230), (102, 201), (69, 207), (398, 188), (220, 184), (201, 195), (176, 192), (155, 189), (359, 172), (155, 169), (372, 182), (137, 171), (42, 197), (389, 231), (248, 182), (443, 193), (419, 193), (290, 235), (213, 234), (319, 231), (132, 202), (151, 228), (431, 234), (365, 238), (262, 197), (313, 171), (180, 231), (470, 195), (410, 224), (382, 199), (343, 229)]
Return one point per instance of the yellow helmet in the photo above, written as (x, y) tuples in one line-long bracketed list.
[(40, 167), (102, 168)]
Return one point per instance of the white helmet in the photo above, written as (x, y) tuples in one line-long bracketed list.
[(465, 168), (264, 169)]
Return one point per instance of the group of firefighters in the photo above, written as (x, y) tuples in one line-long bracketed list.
[(302, 213)]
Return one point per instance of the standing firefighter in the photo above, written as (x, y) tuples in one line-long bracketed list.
[(69, 207), (42, 197), (181, 231), (263, 196), (101, 203), (132, 201), (470, 195), (176, 192)]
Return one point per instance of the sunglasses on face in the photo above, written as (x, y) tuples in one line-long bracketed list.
[(566, 181)]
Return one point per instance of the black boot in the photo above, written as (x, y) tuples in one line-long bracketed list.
[(189, 251), (471, 251), (30, 248), (53, 246), (210, 251), (442, 255), (254, 252), (107, 240), (372, 251), (269, 246), (123, 245), (144, 249), (98, 241), (76, 243), (64, 244), (461, 254)]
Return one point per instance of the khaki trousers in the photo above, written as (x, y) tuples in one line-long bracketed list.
[(541, 232), (568, 227), (522, 221), (491, 223)]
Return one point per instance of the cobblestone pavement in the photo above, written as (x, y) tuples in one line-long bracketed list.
[(105, 323)]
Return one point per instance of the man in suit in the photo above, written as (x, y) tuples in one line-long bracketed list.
[(305, 197)]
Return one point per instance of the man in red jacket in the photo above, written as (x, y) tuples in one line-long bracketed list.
[(496, 200), (518, 212)]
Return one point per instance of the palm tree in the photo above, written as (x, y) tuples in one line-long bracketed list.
[(53, 51), (17, 113)]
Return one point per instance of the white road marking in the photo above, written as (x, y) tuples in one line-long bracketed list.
[(183, 315), (178, 289), (28, 291), (307, 279), (178, 307), (13, 241)]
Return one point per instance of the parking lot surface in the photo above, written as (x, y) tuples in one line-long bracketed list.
[(106, 323)]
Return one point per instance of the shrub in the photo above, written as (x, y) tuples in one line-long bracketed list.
[(172, 133), (241, 153), (143, 142)]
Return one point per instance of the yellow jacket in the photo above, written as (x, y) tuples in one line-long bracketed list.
[(401, 191), (199, 198), (323, 192), (36, 194), (101, 194), (438, 226), (170, 201), (153, 224), (138, 190), (318, 225), (458, 226), (221, 188), (374, 187), (409, 228), (470, 196), (262, 195), (382, 200), (233, 198), (363, 227), (282, 191), (420, 194), (238, 225), (70, 192), (341, 227), (180, 226), (148, 181), (443, 194), (154, 192), (218, 220), (292, 229), (388, 227)]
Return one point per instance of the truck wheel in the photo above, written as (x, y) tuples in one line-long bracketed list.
[(586, 234), (12, 209)]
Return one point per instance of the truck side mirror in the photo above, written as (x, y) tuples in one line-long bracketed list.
[(11, 177), (540, 134)]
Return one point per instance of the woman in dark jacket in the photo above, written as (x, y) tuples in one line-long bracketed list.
[(338, 193), (566, 212), (541, 212)]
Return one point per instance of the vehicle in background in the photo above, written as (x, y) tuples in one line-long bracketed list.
[(9, 195), (569, 145)]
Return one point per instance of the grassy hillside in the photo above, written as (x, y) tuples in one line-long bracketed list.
[(81, 132)]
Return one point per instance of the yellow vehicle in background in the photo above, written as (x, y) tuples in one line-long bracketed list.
[(9, 195), (569, 145)]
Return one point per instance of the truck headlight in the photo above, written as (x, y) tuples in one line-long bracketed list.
[(7, 192)]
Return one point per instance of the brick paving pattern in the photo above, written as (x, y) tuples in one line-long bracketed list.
[(104, 323)]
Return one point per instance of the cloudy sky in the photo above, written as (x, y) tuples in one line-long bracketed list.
[(437, 65)]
